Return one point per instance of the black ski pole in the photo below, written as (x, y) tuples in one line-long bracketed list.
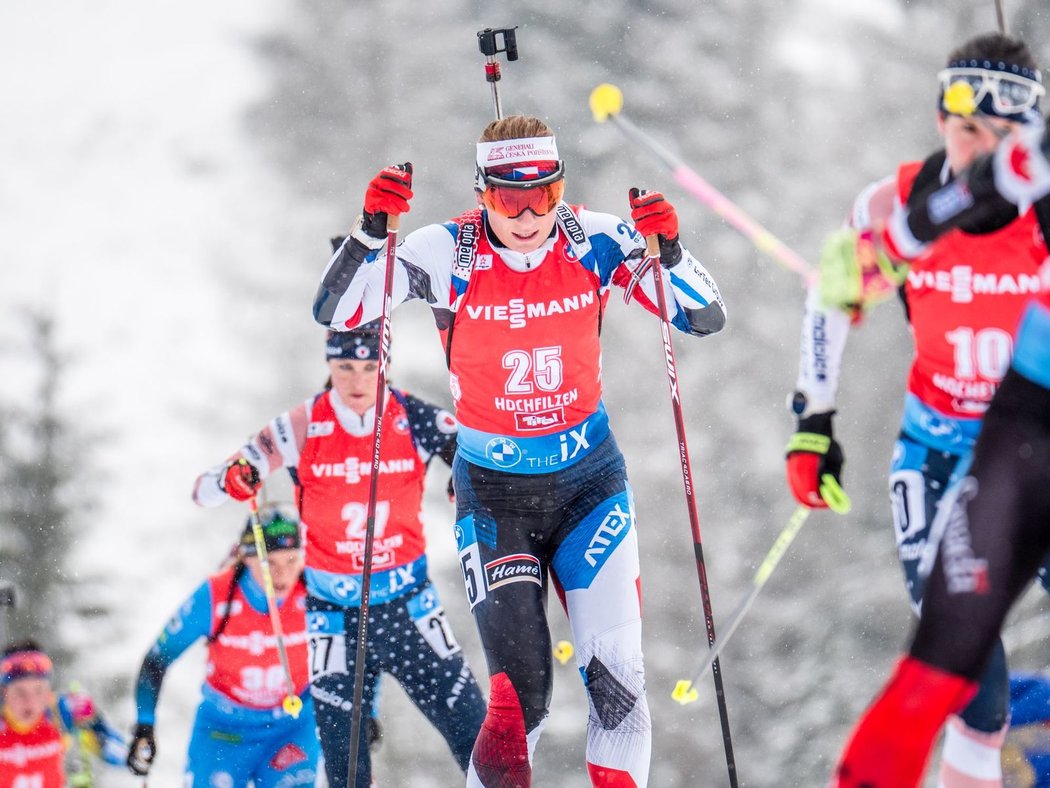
[(653, 261), (492, 41), (392, 223)]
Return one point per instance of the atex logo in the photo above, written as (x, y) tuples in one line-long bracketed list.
[(964, 283), (614, 522)]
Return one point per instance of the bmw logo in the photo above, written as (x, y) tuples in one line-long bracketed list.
[(348, 588), (944, 429), (503, 452)]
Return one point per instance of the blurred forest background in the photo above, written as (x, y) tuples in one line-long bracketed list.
[(171, 174)]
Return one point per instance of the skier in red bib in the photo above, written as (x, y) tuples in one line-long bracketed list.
[(48, 739), (996, 520), (963, 296), (241, 733), (518, 288), (325, 444)]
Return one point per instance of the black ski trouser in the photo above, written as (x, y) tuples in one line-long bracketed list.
[(997, 535)]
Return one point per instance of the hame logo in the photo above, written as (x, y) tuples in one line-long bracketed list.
[(963, 283), (516, 568)]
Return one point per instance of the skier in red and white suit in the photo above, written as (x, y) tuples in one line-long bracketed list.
[(996, 520), (963, 296), (325, 444), (518, 288)]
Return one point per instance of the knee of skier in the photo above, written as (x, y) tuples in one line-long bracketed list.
[(614, 690), (516, 704)]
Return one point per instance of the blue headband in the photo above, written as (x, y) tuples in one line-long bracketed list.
[(1002, 90), (998, 65), (360, 344)]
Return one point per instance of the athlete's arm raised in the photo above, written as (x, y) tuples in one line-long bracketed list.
[(619, 250), (351, 289)]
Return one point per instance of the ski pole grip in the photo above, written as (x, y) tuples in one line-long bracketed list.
[(834, 496), (652, 245), (393, 222)]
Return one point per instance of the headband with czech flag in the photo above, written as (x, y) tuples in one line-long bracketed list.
[(521, 163)]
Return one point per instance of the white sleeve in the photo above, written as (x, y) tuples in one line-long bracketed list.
[(422, 270), (692, 296), (275, 446), (826, 329), (824, 334)]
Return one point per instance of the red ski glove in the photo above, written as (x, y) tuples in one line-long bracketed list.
[(388, 192), (241, 480), (654, 215), (814, 465)]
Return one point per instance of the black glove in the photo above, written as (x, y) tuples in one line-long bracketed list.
[(142, 750), (978, 209)]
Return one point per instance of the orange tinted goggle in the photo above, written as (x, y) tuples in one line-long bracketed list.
[(513, 201), (25, 664)]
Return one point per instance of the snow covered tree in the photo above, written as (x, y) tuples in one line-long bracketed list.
[(41, 499)]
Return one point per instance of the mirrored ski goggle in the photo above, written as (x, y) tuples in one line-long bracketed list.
[(964, 89), (25, 664), (510, 193)]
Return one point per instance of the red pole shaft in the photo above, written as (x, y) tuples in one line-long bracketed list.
[(653, 250), (392, 223)]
